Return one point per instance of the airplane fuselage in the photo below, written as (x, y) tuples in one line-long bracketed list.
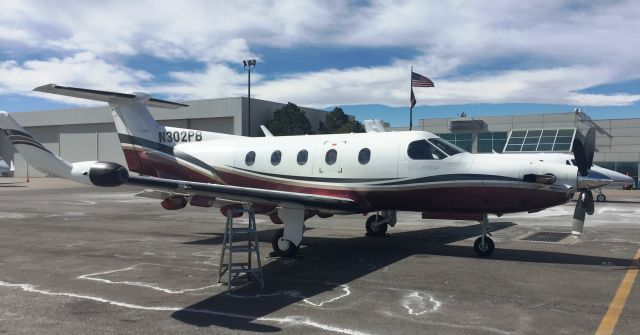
[(393, 170)]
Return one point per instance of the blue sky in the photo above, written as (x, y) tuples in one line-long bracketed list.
[(486, 58)]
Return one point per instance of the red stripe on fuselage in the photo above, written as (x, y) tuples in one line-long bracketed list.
[(460, 199)]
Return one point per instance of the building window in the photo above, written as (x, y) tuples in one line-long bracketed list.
[(489, 142), (275, 157), (540, 140), (303, 155), (364, 156), (331, 156), (422, 149), (462, 140), (250, 158)]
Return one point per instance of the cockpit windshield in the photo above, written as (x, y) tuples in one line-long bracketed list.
[(449, 148)]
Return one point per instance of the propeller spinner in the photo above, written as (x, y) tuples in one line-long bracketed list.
[(583, 154)]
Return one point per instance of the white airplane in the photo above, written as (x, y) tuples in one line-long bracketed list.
[(291, 178), (4, 168), (617, 179)]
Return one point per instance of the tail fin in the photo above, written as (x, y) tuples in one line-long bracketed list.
[(137, 130), (40, 157), (148, 147)]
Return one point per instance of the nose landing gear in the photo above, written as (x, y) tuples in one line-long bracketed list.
[(484, 245), (378, 224)]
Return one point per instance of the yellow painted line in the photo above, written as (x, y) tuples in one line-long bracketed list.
[(610, 319)]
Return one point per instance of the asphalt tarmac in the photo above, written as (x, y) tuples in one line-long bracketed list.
[(79, 260)]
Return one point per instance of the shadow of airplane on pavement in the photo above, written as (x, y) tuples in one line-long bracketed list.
[(326, 263)]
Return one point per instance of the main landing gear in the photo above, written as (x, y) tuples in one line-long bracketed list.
[(378, 223), (484, 245), (281, 246), (286, 241)]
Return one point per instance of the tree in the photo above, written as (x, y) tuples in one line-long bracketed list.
[(337, 122), (289, 120)]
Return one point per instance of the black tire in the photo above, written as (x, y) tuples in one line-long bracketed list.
[(376, 230), (289, 252), (601, 198), (487, 249)]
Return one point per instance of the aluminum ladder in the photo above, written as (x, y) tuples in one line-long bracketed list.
[(251, 247)]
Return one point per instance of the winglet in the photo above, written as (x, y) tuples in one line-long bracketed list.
[(106, 96), (266, 131)]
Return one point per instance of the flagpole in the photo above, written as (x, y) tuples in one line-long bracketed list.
[(410, 103)]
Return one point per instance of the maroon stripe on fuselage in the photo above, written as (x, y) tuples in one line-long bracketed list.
[(458, 198)]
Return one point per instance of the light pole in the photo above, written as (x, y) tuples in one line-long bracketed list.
[(248, 63)]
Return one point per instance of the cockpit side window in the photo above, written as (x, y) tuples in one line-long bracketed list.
[(422, 149), (448, 148)]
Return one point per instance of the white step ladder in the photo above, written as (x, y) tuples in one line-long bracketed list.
[(251, 247)]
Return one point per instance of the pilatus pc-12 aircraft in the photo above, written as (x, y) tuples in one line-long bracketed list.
[(292, 178)]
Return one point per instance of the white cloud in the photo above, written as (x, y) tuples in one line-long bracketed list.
[(82, 69), (488, 51)]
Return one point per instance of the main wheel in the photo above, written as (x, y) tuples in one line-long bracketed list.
[(601, 198), (281, 246), (484, 249), (374, 229)]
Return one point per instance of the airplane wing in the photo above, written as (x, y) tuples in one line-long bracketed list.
[(242, 194)]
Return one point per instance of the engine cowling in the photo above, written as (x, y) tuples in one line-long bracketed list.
[(108, 174)]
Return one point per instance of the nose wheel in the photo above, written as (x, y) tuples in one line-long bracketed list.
[(484, 245)]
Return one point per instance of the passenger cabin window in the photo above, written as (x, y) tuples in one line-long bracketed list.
[(364, 156), (250, 158), (331, 156), (303, 155), (422, 149), (276, 156)]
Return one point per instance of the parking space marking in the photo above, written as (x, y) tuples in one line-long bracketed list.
[(293, 320), (93, 276), (610, 319)]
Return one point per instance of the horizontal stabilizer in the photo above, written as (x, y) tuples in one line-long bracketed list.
[(106, 96)]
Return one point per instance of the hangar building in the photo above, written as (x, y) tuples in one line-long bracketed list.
[(83, 134), (617, 140)]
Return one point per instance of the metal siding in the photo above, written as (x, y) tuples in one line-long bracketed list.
[(528, 118), (627, 123), (175, 123), (79, 142), (219, 125), (560, 117), (109, 148), (615, 132), (559, 125)]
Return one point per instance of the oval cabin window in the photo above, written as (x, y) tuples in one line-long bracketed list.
[(303, 155), (331, 157), (364, 156), (250, 158), (275, 157)]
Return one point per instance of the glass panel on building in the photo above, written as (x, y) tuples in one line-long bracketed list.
[(540, 140)]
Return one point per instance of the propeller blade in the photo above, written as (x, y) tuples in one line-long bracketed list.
[(583, 152), (588, 201), (578, 217), (590, 146)]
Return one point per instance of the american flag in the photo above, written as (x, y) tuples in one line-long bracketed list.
[(413, 98), (418, 80)]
